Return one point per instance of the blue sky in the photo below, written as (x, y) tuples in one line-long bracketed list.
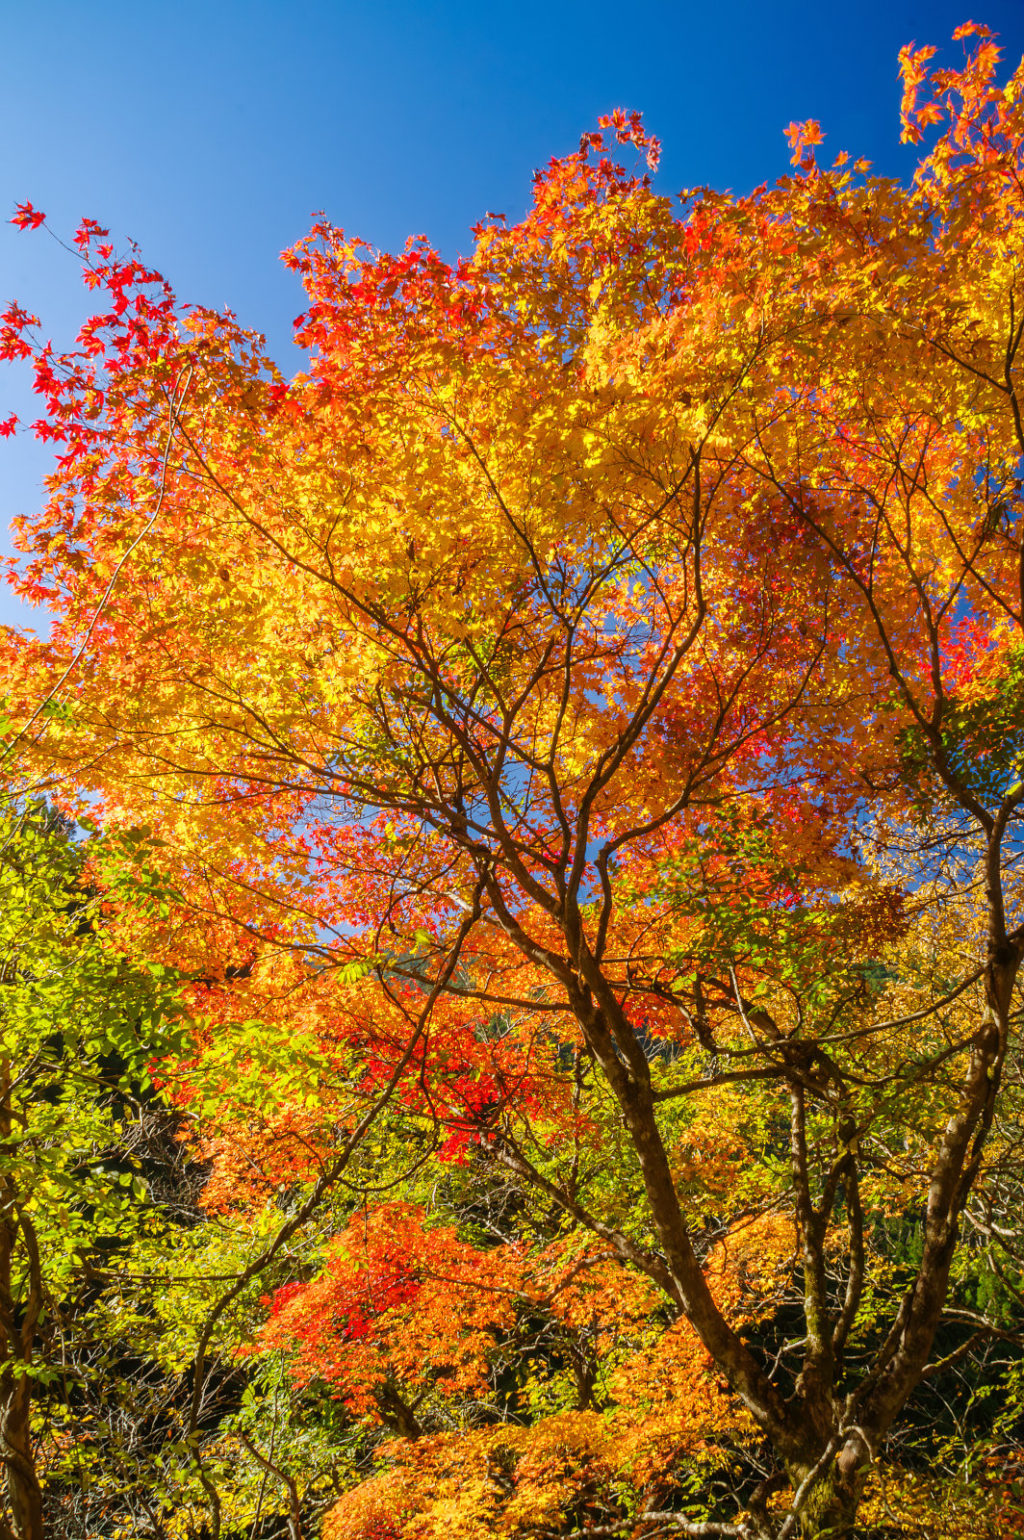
[(209, 133)]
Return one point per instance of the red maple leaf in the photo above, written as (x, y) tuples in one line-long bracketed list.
[(28, 218)]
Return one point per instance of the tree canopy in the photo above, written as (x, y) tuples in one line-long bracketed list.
[(578, 724)]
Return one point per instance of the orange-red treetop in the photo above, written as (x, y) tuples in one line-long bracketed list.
[(625, 560)]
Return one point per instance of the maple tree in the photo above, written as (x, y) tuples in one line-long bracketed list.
[(589, 700)]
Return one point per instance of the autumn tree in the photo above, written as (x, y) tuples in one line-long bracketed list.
[(601, 673)]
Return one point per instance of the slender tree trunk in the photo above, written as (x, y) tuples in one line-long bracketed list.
[(24, 1494)]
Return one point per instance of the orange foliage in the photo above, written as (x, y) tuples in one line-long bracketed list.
[(396, 1301)]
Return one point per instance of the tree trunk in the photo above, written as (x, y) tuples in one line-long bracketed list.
[(828, 1511), (397, 1412), (24, 1494)]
